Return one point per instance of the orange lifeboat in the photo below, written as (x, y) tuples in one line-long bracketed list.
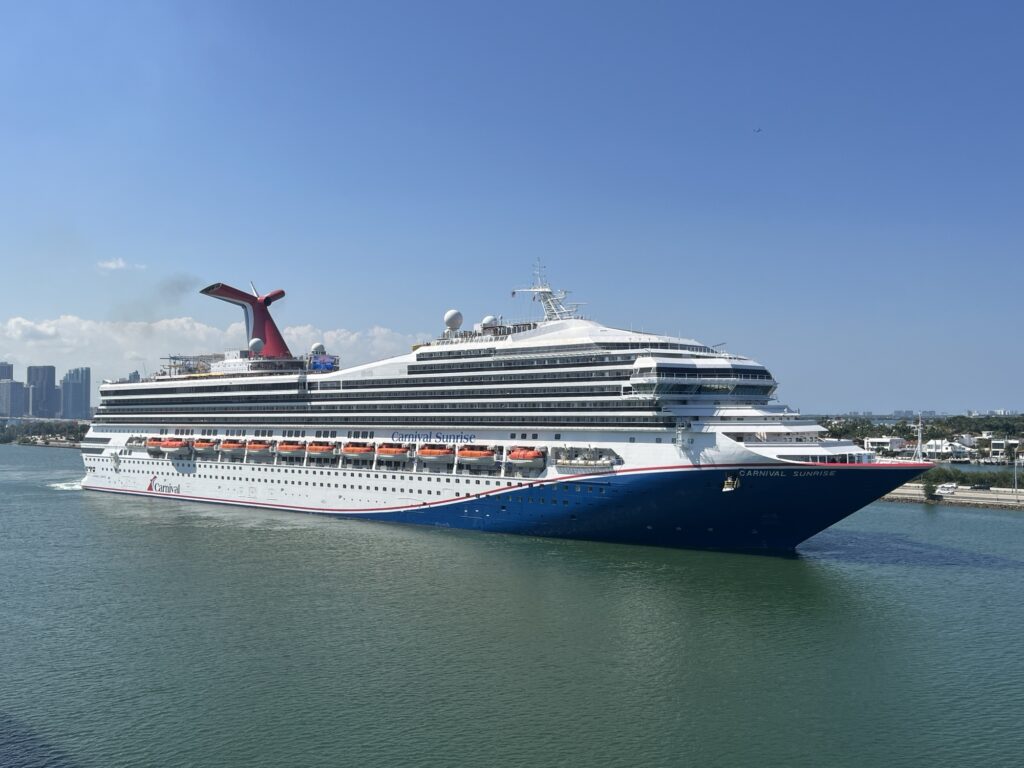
[(259, 448), (154, 444), (291, 448), (321, 449), (175, 446), (357, 451), (205, 446), (475, 454), (393, 451), (437, 453), (232, 447), (526, 457)]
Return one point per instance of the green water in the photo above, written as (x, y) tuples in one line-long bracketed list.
[(154, 632)]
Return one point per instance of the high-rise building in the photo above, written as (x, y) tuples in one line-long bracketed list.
[(12, 398), (6, 371), (75, 394), (42, 380)]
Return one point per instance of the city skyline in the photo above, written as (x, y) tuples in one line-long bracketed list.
[(831, 192), (39, 397)]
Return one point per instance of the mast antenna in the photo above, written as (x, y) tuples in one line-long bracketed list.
[(552, 301)]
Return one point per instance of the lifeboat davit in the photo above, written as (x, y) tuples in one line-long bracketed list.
[(393, 452), (205, 446), (175, 446), (291, 448), (475, 454), (526, 457), (357, 451), (437, 453), (232, 447), (322, 449)]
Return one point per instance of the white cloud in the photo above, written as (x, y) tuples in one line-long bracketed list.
[(115, 348), (118, 263)]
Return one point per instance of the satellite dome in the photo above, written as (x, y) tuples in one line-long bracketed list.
[(453, 319), (256, 345), (489, 321), (318, 349)]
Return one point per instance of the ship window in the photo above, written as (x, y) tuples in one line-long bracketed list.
[(632, 439), (534, 436), (523, 436), (558, 435), (512, 436)]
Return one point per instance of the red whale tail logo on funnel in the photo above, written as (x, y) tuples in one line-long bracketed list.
[(258, 322)]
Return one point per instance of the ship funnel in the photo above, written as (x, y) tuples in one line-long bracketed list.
[(259, 325)]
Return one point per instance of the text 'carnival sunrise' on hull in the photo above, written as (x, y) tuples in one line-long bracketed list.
[(559, 427)]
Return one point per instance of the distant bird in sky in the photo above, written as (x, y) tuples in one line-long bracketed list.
[(757, 130)]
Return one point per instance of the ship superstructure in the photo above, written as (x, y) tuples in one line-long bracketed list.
[(553, 427)]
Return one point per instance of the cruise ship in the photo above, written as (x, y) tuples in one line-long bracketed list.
[(558, 427)]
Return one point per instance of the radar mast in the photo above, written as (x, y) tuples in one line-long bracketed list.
[(552, 301)]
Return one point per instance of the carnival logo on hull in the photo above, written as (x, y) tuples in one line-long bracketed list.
[(155, 487)]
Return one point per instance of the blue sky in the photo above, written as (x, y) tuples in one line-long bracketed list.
[(383, 161)]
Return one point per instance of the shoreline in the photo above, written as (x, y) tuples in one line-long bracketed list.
[(51, 444), (995, 498)]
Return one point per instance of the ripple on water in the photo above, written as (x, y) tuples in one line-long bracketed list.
[(23, 747)]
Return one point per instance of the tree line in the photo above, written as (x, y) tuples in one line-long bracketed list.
[(22, 431), (945, 428)]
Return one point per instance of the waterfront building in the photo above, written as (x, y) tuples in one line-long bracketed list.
[(41, 381), (12, 398), (1000, 447), (75, 392), (888, 444), (944, 449)]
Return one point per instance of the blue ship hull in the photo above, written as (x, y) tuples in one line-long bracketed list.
[(773, 510)]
